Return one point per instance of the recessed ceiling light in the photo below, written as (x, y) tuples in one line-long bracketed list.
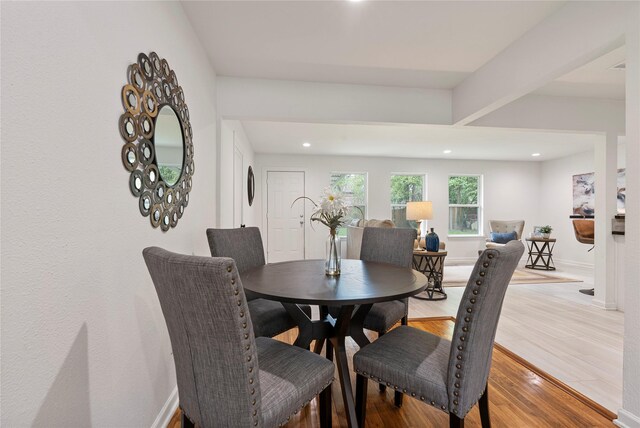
[(306, 144), (446, 152), (535, 154)]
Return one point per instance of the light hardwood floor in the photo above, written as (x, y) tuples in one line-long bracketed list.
[(557, 329)]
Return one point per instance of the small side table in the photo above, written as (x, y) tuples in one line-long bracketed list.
[(431, 264), (541, 253)]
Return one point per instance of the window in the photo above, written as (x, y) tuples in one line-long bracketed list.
[(354, 188), (465, 196), (405, 188)]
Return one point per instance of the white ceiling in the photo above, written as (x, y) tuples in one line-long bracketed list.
[(431, 44), (596, 79), (416, 44), (421, 141)]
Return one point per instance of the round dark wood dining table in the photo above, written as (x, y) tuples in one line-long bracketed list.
[(353, 292)]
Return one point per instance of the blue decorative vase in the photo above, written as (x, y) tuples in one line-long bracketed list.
[(432, 241)]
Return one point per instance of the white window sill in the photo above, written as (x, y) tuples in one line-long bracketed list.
[(466, 236)]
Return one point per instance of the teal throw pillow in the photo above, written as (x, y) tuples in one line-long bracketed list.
[(503, 238)]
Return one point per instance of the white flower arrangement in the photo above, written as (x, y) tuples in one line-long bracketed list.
[(332, 210)]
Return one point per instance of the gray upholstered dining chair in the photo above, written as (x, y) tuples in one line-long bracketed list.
[(226, 376), (244, 245), (449, 375), (393, 246)]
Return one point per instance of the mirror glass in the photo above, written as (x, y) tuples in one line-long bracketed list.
[(169, 145)]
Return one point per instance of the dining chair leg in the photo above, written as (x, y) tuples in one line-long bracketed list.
[(324, 407), (455, 422), (483, 403), (397, 398), (381, 386), (317, 347), (329, 350), (185, 422), (361, 399), (404, 320)]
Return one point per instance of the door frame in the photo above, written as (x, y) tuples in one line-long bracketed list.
[(236, 150), (265, 205)]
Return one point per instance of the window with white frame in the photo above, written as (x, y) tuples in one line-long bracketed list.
[(465, 205), (353, 185), (405, 188)]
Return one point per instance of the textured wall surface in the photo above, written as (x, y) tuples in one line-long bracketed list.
[(84, 342)]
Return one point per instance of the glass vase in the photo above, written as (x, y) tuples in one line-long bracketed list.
[(332, 261), (432, 241)]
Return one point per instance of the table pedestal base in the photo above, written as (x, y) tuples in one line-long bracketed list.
[(332, 332)]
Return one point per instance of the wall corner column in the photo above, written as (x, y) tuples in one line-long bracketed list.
[(606, 175), (629, 415)]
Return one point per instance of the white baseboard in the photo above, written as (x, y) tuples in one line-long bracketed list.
[(167, 411), (603, 305), (627, 419)]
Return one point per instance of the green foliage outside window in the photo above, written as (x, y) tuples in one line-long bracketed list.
[(463, 190), (405, 188), (464, 206), (354, 188)]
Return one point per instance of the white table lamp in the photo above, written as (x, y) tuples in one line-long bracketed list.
[(418, 211)]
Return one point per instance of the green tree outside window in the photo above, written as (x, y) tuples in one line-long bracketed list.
[(464, 205), (405, 188), (354, 188)]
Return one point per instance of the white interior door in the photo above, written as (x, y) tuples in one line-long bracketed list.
[(285, 225), (238, 173)]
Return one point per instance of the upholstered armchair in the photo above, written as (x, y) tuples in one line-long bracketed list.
[(226, 377), (503, 227), (449, 375)]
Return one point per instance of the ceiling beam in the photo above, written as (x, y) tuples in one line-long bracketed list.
[(576, 34), (559, 113), (294, 101)]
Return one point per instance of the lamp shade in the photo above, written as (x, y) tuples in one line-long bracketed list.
[(421, 210)]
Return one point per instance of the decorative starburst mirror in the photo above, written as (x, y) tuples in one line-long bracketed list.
[(158, 148)]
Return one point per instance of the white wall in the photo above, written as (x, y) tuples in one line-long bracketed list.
[(232, 134), (556, 205), (510, 191), (84, 342)]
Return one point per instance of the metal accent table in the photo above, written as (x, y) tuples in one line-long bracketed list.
[(431, 264), (540, 253), (359, 286)]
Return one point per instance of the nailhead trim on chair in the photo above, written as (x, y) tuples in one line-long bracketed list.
[(466, 328), (247, 346), (404, 390), (304, 405), (459, 346)]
